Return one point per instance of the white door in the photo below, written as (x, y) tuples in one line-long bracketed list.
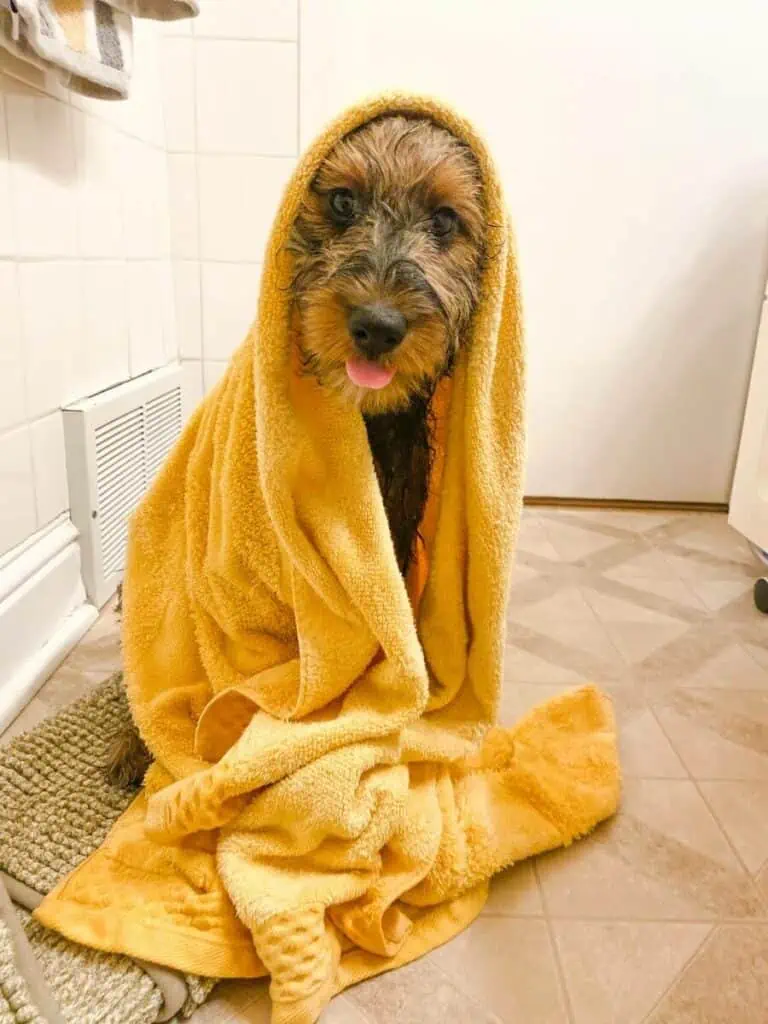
[(749, 498), (632, 137)]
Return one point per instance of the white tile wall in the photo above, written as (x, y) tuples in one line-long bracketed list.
[(246, 97), (49, 468), (17, 489), (182, 28), (99, 153), (53, 333), (105, 321), (43, 175), (25, 76), (233, 137), (7, 240), (145, 186), (178, 76), (192, 384), (186, 280), (244, 19), (142, 115), (182, 182), (145, 316), (13, 409), (86, 283), (239, 196), (213, 371), (230, 296), (168, 310), (132, 231)]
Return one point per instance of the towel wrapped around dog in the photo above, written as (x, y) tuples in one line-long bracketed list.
[(329, 796)]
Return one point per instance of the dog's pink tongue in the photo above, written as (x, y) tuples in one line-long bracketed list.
[(369, 375)]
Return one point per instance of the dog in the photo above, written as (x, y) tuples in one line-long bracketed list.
[(388, 250)]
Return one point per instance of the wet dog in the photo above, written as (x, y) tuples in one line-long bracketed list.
[(389, 250), (388, 254)]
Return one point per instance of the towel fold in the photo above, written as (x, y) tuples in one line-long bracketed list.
[(171, 987), (329, 797), (88, 42)]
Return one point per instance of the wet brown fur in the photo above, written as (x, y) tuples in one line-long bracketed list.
[(128, 758), (400, 171)]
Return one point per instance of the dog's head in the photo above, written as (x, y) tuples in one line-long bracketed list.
[(388, 247)]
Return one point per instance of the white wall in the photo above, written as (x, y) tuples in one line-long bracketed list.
[(633, 142), (86, 292), (748, 510), (230, 91)]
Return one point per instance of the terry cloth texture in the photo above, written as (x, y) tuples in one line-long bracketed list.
[(89, 42), (56, 807), (329, 797)]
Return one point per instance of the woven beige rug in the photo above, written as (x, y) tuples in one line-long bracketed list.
[(56, 807)]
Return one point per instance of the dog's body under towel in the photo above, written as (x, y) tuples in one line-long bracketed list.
[(327, 800)]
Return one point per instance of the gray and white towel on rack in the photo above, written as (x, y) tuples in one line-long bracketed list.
[(88, 42)]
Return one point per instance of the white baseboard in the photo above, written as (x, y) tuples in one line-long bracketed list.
[(43, 613)]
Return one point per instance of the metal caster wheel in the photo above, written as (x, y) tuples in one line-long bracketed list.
[(761, 595)]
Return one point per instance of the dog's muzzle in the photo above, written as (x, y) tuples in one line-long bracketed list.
[(376, 329)]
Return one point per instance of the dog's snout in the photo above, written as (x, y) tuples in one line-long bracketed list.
[(376, 329)]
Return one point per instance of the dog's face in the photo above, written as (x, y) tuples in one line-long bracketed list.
[(388, 247)]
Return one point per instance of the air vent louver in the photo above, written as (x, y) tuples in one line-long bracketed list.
[(116, 442)]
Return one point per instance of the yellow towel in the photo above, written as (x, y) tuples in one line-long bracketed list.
[(328, 800)]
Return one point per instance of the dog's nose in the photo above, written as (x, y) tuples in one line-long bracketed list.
[(376, 329)]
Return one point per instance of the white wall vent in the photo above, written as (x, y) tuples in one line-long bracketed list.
[(115, 442)]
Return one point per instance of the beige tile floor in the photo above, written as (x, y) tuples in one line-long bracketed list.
[(662, 915)]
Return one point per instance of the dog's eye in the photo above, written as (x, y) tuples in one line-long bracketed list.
[(342, 205), (444, 221)]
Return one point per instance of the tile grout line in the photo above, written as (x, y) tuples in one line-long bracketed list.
[(655, 538), (209, 154), (470, 997), (759, 871), (16, 284), (578, 587), (6, 141), (41, 93), (720, 826), (559, 969), (695, 783), (743, 645), (160, 55), (357, 1010), (676, 980), (690, 589), (280, 40), (674, 575), (624, 660)]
